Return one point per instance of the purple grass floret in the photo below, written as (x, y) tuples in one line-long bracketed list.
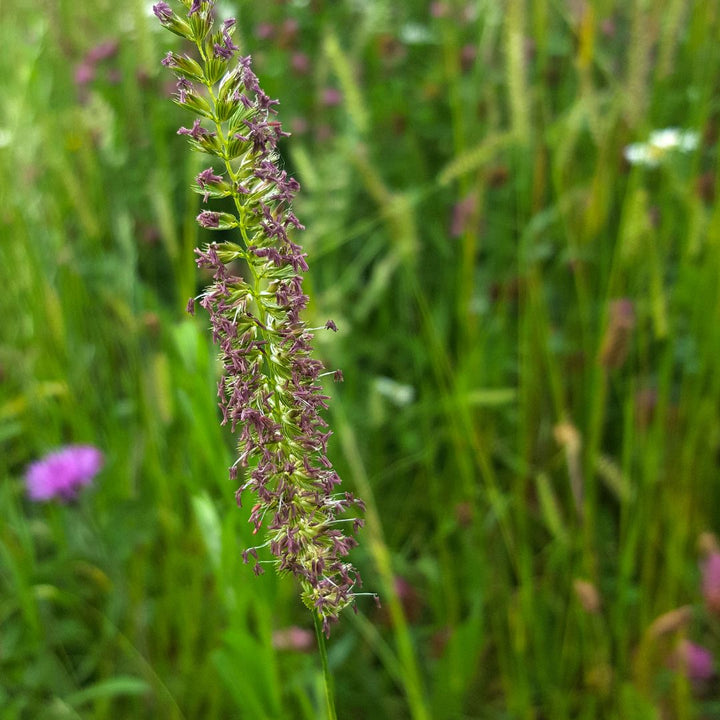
[(270, 392), (61, 474), (206, 179), (169, 61), (162, 12), (209, 219), (184, 86)]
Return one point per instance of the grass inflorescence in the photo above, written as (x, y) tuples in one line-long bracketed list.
[(270, 389), (511, 215)]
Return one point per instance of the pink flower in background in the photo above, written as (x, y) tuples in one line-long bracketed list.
[(102, 51), (331, 97), (711, 581), (62, 473), (84, 74), (462, 214), (696, 661), (300, 63), (264, 31), (439, 9), (293, 638)]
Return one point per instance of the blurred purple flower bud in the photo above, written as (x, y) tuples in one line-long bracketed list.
[(288, 32), (409, 598), (467, 57), (469, 13), (438, 9), (102, 51), (60, 474), (695, 660), (323, 133), (711, 582), (264, 31), (608, 27), (330, 325), (331, 97), (293, 638), (84, 74), (300, 63), (462, 214), (299, 125)]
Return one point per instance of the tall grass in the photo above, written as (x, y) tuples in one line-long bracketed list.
[(471, 223)]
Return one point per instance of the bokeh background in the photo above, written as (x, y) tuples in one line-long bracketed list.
[(528, 297)]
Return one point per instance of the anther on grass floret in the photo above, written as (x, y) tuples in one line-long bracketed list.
[(270, 390)]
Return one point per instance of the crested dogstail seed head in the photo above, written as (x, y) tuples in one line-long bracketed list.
[(269, 392)]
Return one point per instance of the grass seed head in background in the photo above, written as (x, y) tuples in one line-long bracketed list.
[(269, 389)]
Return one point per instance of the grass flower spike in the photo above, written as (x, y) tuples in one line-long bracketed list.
[(269, 391)]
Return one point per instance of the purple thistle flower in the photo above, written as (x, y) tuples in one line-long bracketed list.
[(60, 474)]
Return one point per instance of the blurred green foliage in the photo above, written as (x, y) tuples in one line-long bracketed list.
[(529, 334)]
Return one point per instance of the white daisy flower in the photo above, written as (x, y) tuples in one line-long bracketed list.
[(659, 144)]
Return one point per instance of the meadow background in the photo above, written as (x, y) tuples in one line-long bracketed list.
[(529, 335)]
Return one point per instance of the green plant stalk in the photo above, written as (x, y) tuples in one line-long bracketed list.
[(327, 675)]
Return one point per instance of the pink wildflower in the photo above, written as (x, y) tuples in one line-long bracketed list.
[(695, 660), (711, 582), (62, 473)]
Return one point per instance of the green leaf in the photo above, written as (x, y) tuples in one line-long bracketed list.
[(121, 685)]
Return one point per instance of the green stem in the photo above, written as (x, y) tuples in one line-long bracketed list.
[(327, 677)]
